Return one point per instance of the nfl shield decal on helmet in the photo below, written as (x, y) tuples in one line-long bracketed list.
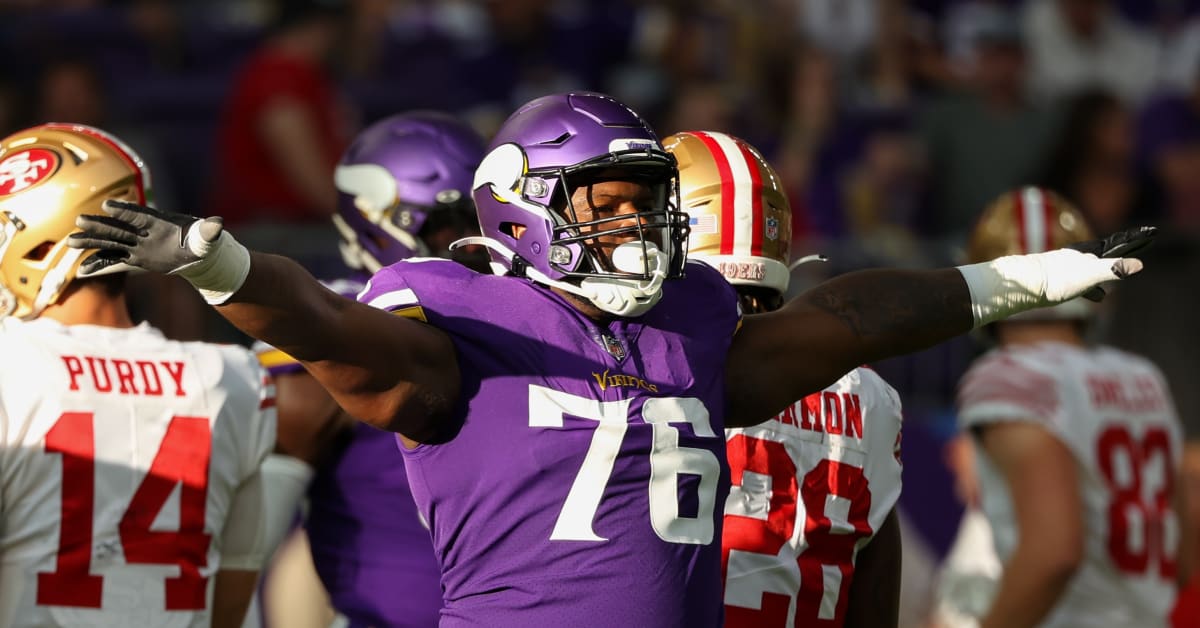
[(704, 224), (772, 229)]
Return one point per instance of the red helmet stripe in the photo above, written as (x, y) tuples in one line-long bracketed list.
[(1049, 213), (726, 174), (121, 150), (1019, 207), (756, 185)]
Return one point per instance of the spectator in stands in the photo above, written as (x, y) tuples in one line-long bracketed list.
[(71, 89), (1169, 152), (884, 190), (283, 126), (1092, 164), (988, 138), (1074, 44)]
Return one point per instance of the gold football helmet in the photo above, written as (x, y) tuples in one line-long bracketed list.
[(1030, 220), (741, 222), (49, 174)]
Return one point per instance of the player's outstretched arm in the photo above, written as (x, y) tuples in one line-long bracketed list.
[(394, 373), (865, 316)]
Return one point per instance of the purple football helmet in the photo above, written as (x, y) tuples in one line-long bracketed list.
[(404, 181), (540, 154)]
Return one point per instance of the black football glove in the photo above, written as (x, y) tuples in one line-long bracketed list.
[(143, 237), (1120, 244)]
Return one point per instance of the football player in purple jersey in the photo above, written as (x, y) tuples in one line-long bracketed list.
[(404, 188), (561, 423)]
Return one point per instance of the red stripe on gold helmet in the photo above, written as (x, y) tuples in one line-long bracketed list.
[(741, 221)]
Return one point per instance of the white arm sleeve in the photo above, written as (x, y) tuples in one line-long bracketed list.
[(285, 479), (243, 541)]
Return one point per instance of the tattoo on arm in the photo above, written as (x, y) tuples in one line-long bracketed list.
[(887, 306)]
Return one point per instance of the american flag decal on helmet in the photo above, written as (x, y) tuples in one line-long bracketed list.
[(702, 225)]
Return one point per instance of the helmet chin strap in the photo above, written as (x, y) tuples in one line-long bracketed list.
[(620, 297)]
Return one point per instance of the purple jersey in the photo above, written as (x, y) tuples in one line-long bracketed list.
[(368, 544), (583, 480), (369, 547)]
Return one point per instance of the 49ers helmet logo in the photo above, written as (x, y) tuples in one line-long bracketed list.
[(24, 169)]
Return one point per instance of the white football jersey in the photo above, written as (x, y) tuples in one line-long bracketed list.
[(128, 474), (1113, 412), (810, 488)]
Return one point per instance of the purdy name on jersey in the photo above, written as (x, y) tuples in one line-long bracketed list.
[(119, 376), (582, 480)]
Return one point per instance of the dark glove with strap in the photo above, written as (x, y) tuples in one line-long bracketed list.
[(164, 242)]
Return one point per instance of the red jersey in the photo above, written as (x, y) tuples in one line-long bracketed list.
[(250, 185)]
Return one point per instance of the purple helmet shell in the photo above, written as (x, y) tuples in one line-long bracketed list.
[(546, 148), (401, 176)]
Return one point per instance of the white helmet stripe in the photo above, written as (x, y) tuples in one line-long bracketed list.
[(1033, 211), (743, 193)]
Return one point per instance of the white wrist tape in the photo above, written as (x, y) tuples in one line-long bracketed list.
[(1008, 285), (222, 268)]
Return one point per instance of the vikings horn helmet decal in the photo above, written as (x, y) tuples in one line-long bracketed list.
[(401, 177), (49, 175)]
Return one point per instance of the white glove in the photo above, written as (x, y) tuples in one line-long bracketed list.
[(1008, 285)]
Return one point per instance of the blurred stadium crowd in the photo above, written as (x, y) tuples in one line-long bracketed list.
[(891, 122)]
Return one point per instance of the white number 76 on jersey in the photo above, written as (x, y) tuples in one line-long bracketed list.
[(667, 461)]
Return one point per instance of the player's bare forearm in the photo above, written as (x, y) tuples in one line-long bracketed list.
[(875, 590), (843, 323), (1043, 479), (392, 372), (1031, 586), (231, 597)]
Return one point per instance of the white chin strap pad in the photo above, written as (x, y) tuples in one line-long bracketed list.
[(629, 297)]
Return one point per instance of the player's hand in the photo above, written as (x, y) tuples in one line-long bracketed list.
[(1012, 284), (144, 237), (198, 249), (1120, 245)]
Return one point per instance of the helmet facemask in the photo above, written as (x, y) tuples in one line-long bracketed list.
[(592, 240), (617, 261)]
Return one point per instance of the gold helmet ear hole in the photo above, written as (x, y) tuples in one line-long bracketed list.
[(39, 253)]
